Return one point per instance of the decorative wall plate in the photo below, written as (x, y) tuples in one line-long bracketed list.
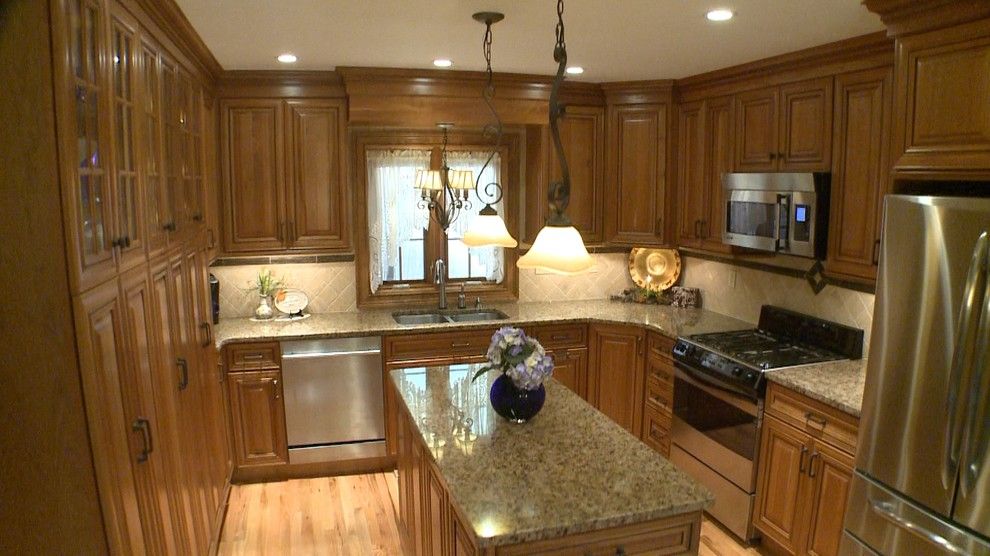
[(654, 269), (291, 301)]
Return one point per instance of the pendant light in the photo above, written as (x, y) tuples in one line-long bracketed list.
[(444, 192), (558, 248), (488, 228)]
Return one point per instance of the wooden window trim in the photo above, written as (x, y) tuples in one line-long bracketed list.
[(388, 295)]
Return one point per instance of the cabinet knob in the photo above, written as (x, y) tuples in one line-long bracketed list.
[(773, 156)]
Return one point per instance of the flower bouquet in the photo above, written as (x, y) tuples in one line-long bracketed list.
[(518, 393)]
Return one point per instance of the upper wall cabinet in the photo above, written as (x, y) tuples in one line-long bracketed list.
[(582, 136), (284, 176), (942, 103), (786, 128), (636, 200)]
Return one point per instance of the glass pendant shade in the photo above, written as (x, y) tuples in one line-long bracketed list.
[(558, 249), (488, 229)]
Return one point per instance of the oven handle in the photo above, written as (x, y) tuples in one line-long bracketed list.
[(721, 391)]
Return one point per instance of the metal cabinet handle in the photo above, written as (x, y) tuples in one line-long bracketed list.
[(460, 344), (252, 357), (886, 511), (620, 551), (205, 326), (804, 452), (144, 427), (811, 464), (659, 226), (275, 391), (184, 373), (818, 420), (558, 337), (169, 227), (876, 252), (773, 156)]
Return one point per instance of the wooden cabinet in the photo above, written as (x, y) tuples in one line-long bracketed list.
[(859, 172), (636, 165), (571, 369), (804, 473), (718, 161), (942, 102), (258, 418), (582, 135), (786, 128), (616, 384), (283, 175), (658, 402)]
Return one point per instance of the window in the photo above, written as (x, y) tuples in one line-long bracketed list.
[(400, 228)]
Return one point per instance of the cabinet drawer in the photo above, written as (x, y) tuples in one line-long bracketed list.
[(439, 345), (254, 356), (813, 417), (659, 396), (660, 369), (561, 336), (656, 430), (661, 346)]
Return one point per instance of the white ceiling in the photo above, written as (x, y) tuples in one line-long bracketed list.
[(613, 39)]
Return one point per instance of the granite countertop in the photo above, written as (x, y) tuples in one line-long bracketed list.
[(835, 383), (670, 321), (570, 469)]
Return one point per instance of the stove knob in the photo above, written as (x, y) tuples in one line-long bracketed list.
[(750, 376), (737, 371)]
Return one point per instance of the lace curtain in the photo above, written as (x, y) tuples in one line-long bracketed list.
[(486, 263), (393, 217)]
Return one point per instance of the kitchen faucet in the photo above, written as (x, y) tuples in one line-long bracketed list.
[(440, 277)]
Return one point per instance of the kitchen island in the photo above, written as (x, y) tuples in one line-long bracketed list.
[(569, 481)]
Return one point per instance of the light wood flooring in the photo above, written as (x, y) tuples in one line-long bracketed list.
[(348, 515)]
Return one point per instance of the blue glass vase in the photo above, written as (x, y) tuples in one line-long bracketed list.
[(515, 404)]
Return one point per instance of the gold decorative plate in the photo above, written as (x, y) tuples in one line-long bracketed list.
[(654, 269)]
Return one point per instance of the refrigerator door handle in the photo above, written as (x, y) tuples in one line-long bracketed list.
[(975, 447), (886, 510), (954, 429)]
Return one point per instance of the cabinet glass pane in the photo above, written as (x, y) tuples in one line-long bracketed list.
[(93, 201)]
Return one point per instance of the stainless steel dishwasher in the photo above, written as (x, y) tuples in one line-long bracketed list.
[(334, 407)]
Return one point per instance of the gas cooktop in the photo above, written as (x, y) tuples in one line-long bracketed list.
[(784, 339)]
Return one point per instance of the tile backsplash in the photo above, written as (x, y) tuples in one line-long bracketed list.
[(331, 287), (740, 292)]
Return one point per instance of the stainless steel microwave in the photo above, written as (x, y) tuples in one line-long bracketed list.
[(780, 212)]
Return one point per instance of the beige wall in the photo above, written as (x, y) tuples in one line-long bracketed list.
[(330, 286), (740, 292)]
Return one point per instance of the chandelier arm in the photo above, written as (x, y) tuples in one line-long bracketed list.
[(559, 193)]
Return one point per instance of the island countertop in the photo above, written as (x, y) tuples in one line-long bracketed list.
[(569, 470)]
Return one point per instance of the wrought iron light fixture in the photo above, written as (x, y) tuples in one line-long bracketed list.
[(444, 192), (488, 228), (558, 247)]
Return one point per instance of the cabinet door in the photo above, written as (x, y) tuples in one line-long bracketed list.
[(859, 174), (582, 134), (756, 131), (780, 487), (172, 145), (128, 194), (943, 99), (637, 169), (718, 161), (84, 139), (439, 534), (691, 187), (617, 387), (254, 204), (806, 126), (258, 418), (831, 472), (100, 340), (156, 199), (570, 367), (317, 218)]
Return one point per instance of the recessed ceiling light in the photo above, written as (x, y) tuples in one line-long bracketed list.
[(287, 58), (719, 15), (442, 63), (575, 70)]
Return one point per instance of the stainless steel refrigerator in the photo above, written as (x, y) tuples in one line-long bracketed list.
[(922, 481)]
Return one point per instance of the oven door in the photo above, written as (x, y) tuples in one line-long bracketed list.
[(717, 426), (755, 219)]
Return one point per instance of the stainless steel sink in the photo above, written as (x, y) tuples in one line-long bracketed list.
[(436, 317), (479, 315), (420, 318)]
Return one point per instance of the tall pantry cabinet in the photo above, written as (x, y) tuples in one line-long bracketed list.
[(130, 125)]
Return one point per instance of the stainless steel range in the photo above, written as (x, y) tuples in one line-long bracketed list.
[(719, 387)]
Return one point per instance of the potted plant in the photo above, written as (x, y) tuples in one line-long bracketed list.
[(267, 285), (518, 393)]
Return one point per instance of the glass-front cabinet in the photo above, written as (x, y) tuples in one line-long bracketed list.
[(129, 200)]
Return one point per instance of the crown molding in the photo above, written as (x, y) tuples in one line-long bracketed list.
[(170, 20), (903, 17)]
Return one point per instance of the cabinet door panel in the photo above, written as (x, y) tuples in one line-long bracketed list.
[(859, 175), (316, 175), (439, 534), (252, 175), (156, 199), (780, 484), (718, 161), (832, 471), (582, 133), (756, 131), (806, 126), (637, 169), (570, 369), (692, 198), (258, 418), (617, 389)]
